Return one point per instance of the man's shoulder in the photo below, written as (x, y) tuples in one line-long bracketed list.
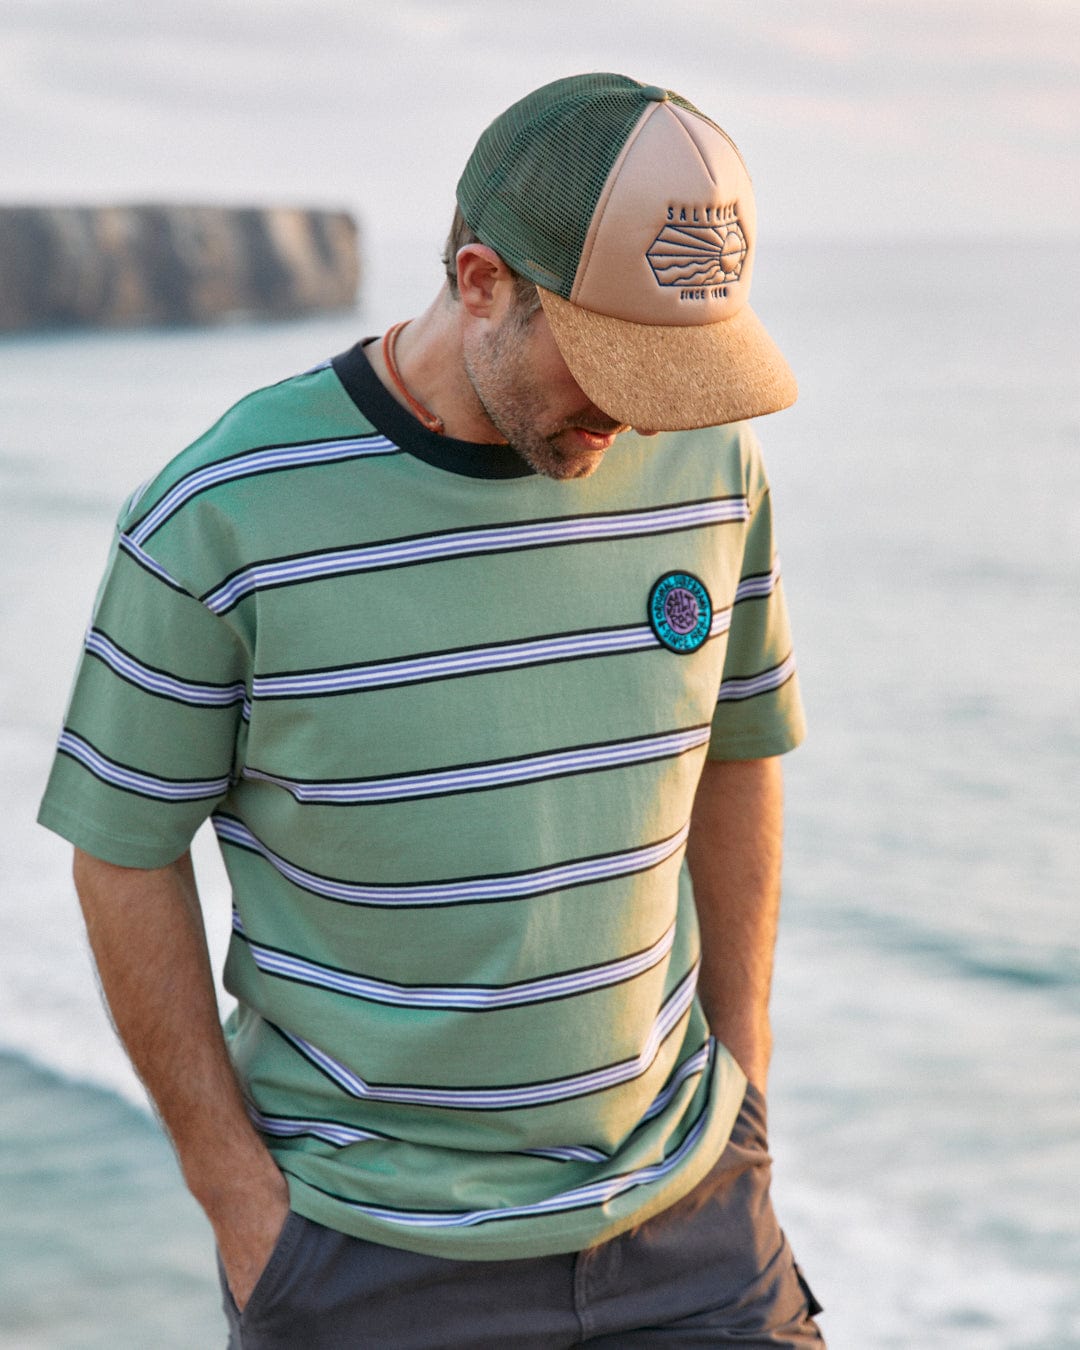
[(268, 428)]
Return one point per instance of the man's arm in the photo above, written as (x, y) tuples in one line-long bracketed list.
[(148, 940), (734, 854)]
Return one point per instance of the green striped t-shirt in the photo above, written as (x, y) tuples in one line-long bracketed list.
[(447, 717)]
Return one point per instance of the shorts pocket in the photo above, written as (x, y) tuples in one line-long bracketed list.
[(813, 1307), (751, 1128), (276, 1268)]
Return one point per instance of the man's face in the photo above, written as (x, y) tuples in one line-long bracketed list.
[(533, 401)]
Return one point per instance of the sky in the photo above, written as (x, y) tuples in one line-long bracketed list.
[(897, 118)]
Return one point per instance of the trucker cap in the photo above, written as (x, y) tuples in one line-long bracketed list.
[(634, 215)]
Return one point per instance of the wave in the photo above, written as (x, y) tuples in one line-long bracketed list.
[(1051, 968)]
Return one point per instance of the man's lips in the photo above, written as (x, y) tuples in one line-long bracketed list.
[(597, 440)]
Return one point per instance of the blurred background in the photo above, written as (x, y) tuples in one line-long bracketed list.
[(917, 167)]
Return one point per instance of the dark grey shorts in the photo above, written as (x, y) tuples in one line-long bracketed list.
[(712, 1270)]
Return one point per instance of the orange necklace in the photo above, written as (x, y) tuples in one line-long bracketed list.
[(422, 414)]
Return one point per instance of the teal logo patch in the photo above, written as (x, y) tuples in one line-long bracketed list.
[(680, 612)]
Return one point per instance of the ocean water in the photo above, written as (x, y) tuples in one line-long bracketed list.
[(925, 1102)]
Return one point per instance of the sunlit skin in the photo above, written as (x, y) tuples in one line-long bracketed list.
[(495, 375), (533, 402)]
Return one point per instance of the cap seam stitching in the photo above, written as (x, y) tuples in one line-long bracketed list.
[(701, 117), (697, 148), (605, 198)]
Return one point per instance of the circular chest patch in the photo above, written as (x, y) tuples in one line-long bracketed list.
[(680, 612)]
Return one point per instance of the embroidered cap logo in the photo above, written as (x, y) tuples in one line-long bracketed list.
[(703, 248)]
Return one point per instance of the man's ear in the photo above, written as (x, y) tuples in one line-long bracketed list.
[(483, 280)]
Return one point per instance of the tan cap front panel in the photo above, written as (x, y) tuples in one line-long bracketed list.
[(672, 239)]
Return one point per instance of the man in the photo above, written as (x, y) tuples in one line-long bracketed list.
[(483, 692)]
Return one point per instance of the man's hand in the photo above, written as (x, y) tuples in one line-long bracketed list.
[(247, 1224)]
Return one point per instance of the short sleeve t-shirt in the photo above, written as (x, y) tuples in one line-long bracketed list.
[(447, 718)]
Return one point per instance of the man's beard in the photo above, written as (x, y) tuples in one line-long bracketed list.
[(515, 406)]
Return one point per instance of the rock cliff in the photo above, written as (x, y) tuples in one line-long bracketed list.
[(116, 265)]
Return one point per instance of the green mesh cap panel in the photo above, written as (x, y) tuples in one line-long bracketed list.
[(533, 181)]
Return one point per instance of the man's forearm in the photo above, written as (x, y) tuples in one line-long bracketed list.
[(147, 936), (734, 854)]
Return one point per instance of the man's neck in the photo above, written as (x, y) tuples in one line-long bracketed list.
[(430, 363)]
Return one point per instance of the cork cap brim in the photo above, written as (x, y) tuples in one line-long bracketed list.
[(669, 377)]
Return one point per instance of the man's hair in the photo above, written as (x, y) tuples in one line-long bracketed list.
[(526, 297)]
